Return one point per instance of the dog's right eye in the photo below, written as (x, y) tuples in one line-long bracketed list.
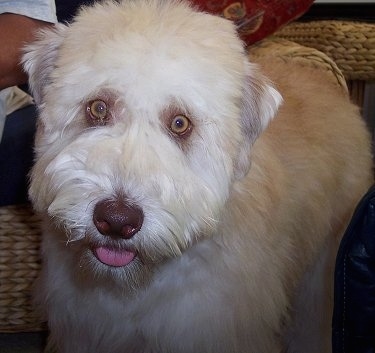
[(180, 125), (97, 112)]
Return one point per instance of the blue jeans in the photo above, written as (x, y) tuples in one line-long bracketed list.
[(16, 155)]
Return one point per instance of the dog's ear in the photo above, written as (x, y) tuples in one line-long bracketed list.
[(39, 59), (259, 105)]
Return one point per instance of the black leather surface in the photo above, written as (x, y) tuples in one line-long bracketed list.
[(354, 311)]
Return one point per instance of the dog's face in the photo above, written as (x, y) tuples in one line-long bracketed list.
[(148, 111)]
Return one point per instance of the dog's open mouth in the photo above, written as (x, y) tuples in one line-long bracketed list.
[(114, 257)]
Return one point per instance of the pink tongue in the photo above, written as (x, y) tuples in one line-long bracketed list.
[(112, 257)]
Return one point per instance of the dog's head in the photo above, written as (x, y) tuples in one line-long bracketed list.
[(148, 111)]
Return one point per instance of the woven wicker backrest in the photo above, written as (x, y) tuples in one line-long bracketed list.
[(351, 45), (19, 265)]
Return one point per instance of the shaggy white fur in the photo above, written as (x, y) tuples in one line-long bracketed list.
[(177, 216)]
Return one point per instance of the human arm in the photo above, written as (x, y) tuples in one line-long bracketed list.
[(15, 31)]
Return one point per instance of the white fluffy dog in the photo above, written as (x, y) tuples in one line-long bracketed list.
[(176, 218)]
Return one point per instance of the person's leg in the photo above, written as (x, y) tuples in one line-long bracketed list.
[(16, 155)]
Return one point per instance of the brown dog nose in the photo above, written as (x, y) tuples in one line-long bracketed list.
[(117, 218)]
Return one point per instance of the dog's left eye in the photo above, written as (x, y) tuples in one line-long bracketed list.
[(97, 112), (180, 125)]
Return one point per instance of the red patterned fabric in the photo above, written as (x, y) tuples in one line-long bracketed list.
[(256, 19)]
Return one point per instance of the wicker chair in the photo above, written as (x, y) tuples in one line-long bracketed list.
[(346, 49), (19, 266), (351, 45)]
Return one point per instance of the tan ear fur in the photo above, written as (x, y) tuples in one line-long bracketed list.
[(39, 59), (259, 106)]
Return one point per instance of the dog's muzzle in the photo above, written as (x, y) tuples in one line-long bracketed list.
[(117, 219)]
